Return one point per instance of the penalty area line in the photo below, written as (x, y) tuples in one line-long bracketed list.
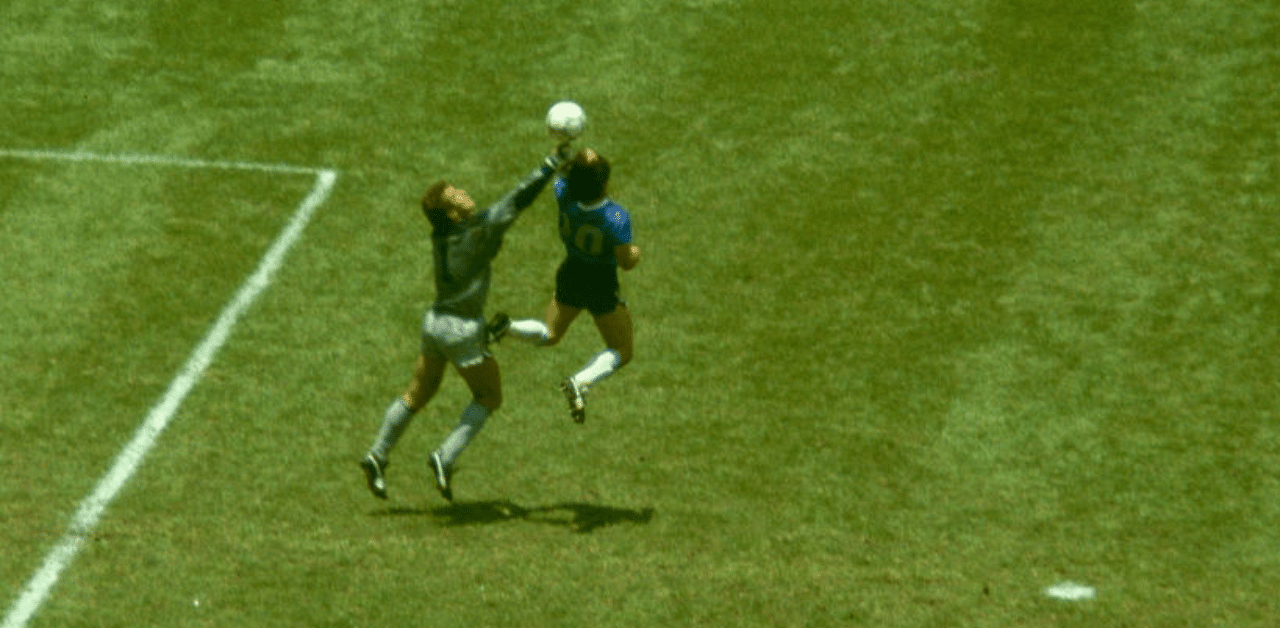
[(154, 160), (91, 509)]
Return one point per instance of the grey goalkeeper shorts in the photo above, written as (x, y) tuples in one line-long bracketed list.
[(460, 340)]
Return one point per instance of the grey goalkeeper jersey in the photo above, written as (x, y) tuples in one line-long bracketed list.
[(463, 253)]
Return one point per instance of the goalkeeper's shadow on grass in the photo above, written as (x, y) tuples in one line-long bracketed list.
[(576, 516)]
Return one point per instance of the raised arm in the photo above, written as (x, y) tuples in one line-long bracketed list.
[(528, 190), (531, 187), (551, 164)]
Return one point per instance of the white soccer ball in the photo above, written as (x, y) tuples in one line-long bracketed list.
[(566, 120)]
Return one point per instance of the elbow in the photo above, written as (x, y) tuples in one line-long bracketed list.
[(631, 259)]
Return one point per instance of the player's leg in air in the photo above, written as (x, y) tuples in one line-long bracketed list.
[(485, 381), (529, 330), (616, 330), (427, 375), (615, 326)]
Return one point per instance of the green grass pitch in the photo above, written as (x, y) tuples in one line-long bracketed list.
[(942, 304)]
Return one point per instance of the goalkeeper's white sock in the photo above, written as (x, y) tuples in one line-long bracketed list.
[(530, 330), (394, 422), (469, 425), (600, 367)]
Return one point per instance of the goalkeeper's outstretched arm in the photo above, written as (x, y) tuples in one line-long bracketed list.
[(532, 186)]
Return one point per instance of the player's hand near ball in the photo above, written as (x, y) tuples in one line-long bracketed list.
[(559, 160)]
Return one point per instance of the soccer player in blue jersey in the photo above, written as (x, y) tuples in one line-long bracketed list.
[(464, 242), (596, 232)]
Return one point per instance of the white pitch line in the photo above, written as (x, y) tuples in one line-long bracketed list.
[(154, 160), (90, 511)]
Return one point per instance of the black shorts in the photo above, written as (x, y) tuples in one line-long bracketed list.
[(588, 286)]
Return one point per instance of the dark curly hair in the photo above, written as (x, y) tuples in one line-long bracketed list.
[(588, 177)]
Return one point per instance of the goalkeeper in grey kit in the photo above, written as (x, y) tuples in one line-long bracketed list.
[(453, 329)]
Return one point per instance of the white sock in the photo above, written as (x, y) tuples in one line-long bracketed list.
[(530, 330), (469, 425), (600, 367), (394, 422)]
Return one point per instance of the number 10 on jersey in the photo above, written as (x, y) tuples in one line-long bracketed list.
[(586, 238)]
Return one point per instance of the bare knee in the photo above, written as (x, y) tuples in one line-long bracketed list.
[(421, 389), (413, 401), (485, 383), (418, 395), (624, 356), (615, 328), (489, 398)]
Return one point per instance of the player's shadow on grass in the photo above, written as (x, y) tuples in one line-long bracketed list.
[(578, 517)]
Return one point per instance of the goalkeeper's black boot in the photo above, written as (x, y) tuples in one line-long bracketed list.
[(373, 474), (497, 328), (443, 475)]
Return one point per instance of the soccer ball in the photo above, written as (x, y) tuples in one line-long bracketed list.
[(566, 120)]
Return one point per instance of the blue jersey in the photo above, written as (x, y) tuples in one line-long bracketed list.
[(590, 233)]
